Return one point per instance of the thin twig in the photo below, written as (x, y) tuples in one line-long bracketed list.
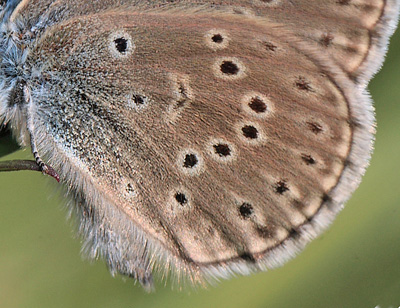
[(18, 165)]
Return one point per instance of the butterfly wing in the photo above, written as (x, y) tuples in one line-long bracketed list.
[(354, 33), (218, 141)]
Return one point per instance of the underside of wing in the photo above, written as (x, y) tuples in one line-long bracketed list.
[(354, 33), (214, 142)]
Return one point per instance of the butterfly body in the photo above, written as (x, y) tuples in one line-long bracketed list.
[(215, 138)]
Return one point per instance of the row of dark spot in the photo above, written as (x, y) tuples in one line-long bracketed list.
[(220, 149), (223, 150), (246, 209)]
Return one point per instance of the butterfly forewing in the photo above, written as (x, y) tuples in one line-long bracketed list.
[(353, 32)]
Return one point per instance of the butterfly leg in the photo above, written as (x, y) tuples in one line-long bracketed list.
[(46, 169)]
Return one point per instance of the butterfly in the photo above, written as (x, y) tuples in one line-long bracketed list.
[(203, 138)]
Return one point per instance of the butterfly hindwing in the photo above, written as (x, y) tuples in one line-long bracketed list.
[(210, 138)]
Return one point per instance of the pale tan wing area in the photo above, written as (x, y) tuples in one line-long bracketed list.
[(203, 138)]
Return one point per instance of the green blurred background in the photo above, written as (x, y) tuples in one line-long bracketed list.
[(356, 263)]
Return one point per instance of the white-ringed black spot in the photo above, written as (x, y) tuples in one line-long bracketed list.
[(229, 68), (121, 44), (250, 132), (222, 149), (257, 104), (217, 38), (190, 160), (181, 198), (246, 210)]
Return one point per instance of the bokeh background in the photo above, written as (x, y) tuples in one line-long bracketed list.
[(356, 263)]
